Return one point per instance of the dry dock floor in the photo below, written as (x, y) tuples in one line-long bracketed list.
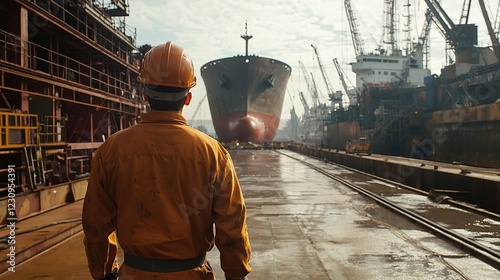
[(302, 225)]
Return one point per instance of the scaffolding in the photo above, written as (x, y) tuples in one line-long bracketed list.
[(68, 81)]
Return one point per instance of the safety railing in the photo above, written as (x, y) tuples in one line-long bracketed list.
[(56, 64), (18, 130), (52, 130)]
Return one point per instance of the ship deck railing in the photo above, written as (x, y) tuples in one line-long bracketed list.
[(38, 159), (18, 130), (98, 10), (41, 59)]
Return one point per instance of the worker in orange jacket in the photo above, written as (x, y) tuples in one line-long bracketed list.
[(168, 191)]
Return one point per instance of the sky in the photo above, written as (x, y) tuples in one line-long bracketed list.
[(284, 30)]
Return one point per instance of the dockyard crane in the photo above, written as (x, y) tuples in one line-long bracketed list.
[(353, 26), (491, 32), (464, 18), (352, 98), (304, 102), (497, 20), (311, 87), (315, 89), (422, 45), (453, 34), (335, 97)]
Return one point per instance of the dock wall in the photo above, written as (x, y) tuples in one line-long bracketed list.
[(481, 189)]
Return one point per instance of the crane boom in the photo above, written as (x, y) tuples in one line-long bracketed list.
[(315, 90), (497, 21), (336, 99), (341, 74), (453, 35), (422, 45), (311, 87), (464, 18), (352, 97), (491, 32), (426, 29), (304, 102), (353, 26)]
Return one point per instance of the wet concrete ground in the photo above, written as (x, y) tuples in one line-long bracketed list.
[(303, 225)]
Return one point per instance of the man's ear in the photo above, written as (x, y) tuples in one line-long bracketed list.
[(189, 96)]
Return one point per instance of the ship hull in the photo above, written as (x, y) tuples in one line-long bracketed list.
[(443, 121), (245, 95), (468, 135)]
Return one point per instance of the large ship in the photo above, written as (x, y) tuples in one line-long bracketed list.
[(403, 110), (245, 94), (68, 81)]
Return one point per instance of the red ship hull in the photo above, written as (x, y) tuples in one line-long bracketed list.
[(245, 95)]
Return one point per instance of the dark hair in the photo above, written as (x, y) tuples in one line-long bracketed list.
[(166, 105)]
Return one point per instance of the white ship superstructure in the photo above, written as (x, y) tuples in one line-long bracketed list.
[(377, 70)]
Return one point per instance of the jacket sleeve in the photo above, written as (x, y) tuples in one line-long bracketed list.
[(98, 211), (231, 236)]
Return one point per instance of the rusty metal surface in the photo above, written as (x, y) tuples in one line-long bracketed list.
[(29, 204), (302, 225), (36, 234)]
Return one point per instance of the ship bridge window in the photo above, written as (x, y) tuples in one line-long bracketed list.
[(386, 73), (393, 73)]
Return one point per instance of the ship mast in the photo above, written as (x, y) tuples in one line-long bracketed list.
[(246, 37)]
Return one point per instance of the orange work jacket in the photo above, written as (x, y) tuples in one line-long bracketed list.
[(164, 187)]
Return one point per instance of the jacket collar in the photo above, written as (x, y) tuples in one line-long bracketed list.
[(163, 117)]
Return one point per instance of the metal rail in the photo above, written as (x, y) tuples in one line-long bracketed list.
[(478, 250)]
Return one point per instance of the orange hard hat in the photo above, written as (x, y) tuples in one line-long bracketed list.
[(167, 65)]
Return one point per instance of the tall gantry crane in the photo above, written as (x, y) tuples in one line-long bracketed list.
[(304, 102), (464, 18), (311, 86), (423, 40), (335, 97), (315, 90), (352, 98), (491, 32), (497, 21), (453, 34), (353, 26)]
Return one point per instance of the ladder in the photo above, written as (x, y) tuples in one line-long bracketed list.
[(34, 166)]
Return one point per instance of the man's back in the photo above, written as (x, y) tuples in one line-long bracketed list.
[(169, 183), (163, 175), (161, 186)]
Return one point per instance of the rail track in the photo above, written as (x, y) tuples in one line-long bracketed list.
[(477, 246)]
